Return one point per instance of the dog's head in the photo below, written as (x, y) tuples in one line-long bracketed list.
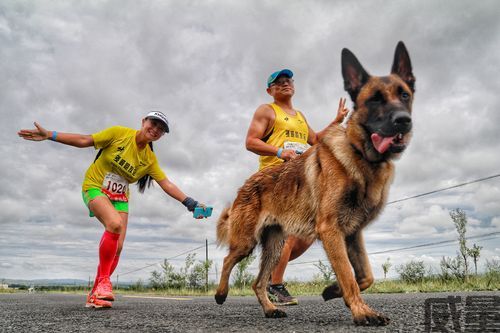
[(380, 126)]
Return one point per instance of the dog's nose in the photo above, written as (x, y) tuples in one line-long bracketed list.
[(401, 120)]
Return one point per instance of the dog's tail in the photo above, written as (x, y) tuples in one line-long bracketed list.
[(223, 227)]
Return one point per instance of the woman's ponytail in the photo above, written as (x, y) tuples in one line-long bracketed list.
[(146, 180)]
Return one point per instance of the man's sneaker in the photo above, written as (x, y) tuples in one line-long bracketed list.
[(94, 302), (280, 296), (104, 290)]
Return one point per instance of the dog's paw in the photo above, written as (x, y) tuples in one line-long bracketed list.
[(276, 313), (220, 299), (375, 319), (331, 292)]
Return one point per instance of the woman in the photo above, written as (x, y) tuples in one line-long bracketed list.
[(126, 156)]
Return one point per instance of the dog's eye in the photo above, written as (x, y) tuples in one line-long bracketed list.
[(404, 95)]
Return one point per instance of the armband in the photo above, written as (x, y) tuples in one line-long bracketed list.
[(54, 136)]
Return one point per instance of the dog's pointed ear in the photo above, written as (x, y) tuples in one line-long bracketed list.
[(401, 65), (355, 76)]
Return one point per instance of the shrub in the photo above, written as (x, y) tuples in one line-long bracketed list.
[(411, 272)]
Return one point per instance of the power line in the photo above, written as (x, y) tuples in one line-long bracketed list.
[(432, 244), (445, 188), (412, 247), (170, 258)]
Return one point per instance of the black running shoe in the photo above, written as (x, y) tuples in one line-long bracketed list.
[(280, 296)]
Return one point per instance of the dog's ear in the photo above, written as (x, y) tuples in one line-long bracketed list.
[(401, 65), (355, 76)]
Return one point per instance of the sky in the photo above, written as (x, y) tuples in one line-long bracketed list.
[(82, 66)]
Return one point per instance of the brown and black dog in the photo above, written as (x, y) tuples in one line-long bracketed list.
[(330, 193)]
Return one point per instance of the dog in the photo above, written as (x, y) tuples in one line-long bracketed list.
[(330, 193)]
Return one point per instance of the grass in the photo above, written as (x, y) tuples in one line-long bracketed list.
[(435, 284), (484, 282)]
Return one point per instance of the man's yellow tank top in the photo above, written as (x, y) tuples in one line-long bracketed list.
[(288, 132)]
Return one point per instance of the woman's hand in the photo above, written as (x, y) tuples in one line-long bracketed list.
[(38, 134)]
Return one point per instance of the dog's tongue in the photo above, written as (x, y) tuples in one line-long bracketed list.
[(381, 143)]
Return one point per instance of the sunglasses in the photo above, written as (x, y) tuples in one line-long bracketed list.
[(282, 82)]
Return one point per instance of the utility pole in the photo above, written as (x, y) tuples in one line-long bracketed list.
[(116, 286), (206, 265)]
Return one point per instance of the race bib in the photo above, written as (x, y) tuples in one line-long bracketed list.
[(297, 146), (115, 187)]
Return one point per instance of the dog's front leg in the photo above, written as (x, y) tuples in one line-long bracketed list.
[(335, 246), (359, 261)]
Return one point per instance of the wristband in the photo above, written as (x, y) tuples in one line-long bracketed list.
[(279, 152), (54, 136), (190, 203)]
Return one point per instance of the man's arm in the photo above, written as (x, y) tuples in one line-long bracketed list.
[(262, 122)]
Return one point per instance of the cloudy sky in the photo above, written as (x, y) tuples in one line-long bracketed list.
[(82, 66)]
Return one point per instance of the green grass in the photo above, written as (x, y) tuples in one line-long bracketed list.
[(490, 282), (7, 291), (427, 285), (434, 284)]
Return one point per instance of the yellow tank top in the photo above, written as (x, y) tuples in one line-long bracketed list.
[(288, 132)]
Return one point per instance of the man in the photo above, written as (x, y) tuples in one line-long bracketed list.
[(279, 133)]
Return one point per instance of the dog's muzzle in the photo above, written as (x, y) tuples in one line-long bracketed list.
[(391, 136)]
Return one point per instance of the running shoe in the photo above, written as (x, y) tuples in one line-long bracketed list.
[(280, 296), (104, 290), (94, 302)]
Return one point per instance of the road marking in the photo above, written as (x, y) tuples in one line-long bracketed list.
[(157, 297)]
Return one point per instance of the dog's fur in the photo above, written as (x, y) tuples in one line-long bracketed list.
[(329, 193)]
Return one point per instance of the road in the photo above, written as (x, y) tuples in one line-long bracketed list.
[(48, 312)]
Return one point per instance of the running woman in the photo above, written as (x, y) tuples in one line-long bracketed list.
[(126, 156)]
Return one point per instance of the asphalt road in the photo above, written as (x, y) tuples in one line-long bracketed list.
[(47, 312)]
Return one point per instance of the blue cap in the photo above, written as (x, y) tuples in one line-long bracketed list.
[(275, 75)]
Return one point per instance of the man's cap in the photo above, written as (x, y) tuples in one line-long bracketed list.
[(159, 116), (275, 75)]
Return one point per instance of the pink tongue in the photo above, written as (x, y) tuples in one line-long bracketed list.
[(381, 143)]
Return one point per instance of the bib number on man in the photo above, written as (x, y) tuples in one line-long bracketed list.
[(297, 146), (115, 187)]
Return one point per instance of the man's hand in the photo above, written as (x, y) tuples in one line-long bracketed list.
[(288, 154), (341, 111)]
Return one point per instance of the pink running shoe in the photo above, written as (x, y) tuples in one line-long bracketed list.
[(104, 290), (94, 302)]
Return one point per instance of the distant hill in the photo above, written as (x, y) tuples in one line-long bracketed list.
[(46, 282)]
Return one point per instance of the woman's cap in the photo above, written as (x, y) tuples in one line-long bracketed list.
[(275, 75), (161, 117)]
